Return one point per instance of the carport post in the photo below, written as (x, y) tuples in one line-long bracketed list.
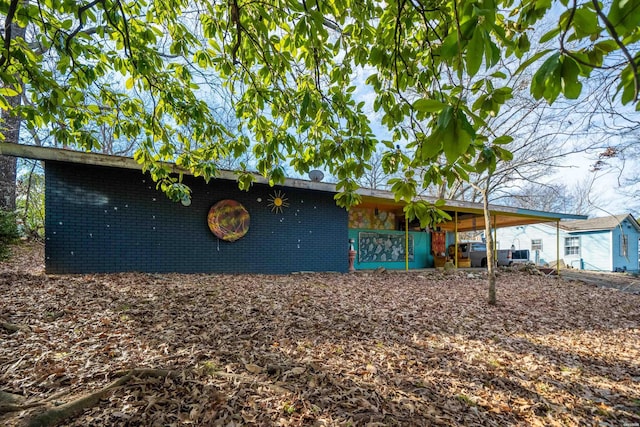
[(558, 247), (406, 243), (455, 251)]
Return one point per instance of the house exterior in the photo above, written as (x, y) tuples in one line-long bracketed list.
[(599, 244), (104, 215)]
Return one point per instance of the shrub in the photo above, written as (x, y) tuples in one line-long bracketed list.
[(30, 200), (8, 231)]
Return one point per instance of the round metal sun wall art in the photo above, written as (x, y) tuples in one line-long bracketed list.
[(228, 220), (277, 202)]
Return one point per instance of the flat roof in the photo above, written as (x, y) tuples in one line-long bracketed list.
[(470, 215)]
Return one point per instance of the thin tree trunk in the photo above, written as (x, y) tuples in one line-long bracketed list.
[(8, 164), (491, 265), (25, 216), (8, 183), (11, 130)]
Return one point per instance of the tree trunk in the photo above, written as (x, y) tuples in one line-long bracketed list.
[(11, 130), (491, 264), (7, 183), (8, 164)]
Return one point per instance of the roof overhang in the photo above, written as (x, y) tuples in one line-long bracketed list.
[(468, 216), (98, 159)]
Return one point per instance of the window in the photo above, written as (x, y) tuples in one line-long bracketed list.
[(536, 244), (572, 245), (478, 247), (624, 245)]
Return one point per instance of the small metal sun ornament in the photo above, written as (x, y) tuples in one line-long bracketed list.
[(277, 201)]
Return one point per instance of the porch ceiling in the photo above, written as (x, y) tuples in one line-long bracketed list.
[(475, 222), (470, 216)]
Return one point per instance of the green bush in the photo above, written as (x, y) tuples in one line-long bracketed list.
[(30, 201), (8, 231)]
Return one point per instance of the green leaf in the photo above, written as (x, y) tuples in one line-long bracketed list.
[(624, 15), (346, 199), (627, 84), (474, 52), (7, 91), (606, 46), (526, 64), (571, 87), (456, 138), (403, 189), (502, 154), (245, 181), (428, 105), (585, 22), (431, 147), (427, 213), (486, 161), (547, 80), (523, 45), (550, 35), (504, 139), (449, 47)]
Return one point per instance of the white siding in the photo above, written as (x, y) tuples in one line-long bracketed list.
[(595, 250), (521, 237), (599, 250)]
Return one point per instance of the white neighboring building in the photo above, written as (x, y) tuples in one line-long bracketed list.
[(599, 244)]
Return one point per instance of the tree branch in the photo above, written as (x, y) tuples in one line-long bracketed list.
[(81, 11), (57, 414), (623, 48), (8, 24)]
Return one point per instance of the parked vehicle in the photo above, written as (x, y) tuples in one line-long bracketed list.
[(514, 256), (476, 253)]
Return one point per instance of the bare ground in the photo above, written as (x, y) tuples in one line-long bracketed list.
[(420, 348), (625, 282)]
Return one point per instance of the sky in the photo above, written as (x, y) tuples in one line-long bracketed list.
[(609, 194)]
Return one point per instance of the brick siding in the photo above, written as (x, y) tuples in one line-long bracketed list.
[(101, 219)]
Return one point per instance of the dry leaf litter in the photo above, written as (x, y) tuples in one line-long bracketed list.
[(373, 349)]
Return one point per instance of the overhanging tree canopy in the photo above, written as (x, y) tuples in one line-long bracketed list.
[(434, 67)]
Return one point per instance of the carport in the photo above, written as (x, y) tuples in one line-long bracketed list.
[(465, 216)]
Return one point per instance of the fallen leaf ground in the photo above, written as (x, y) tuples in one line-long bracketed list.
[(420, 348)]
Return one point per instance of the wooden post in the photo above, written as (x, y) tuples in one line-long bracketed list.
[(406, 243), (455, 248), (558, 248)]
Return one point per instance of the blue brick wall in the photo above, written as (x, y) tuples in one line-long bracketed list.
[(102, 219)]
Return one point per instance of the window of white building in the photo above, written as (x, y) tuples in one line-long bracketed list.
[(536, 244), (572, 245)]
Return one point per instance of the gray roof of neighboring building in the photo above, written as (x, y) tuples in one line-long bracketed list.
[(603, 223)]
